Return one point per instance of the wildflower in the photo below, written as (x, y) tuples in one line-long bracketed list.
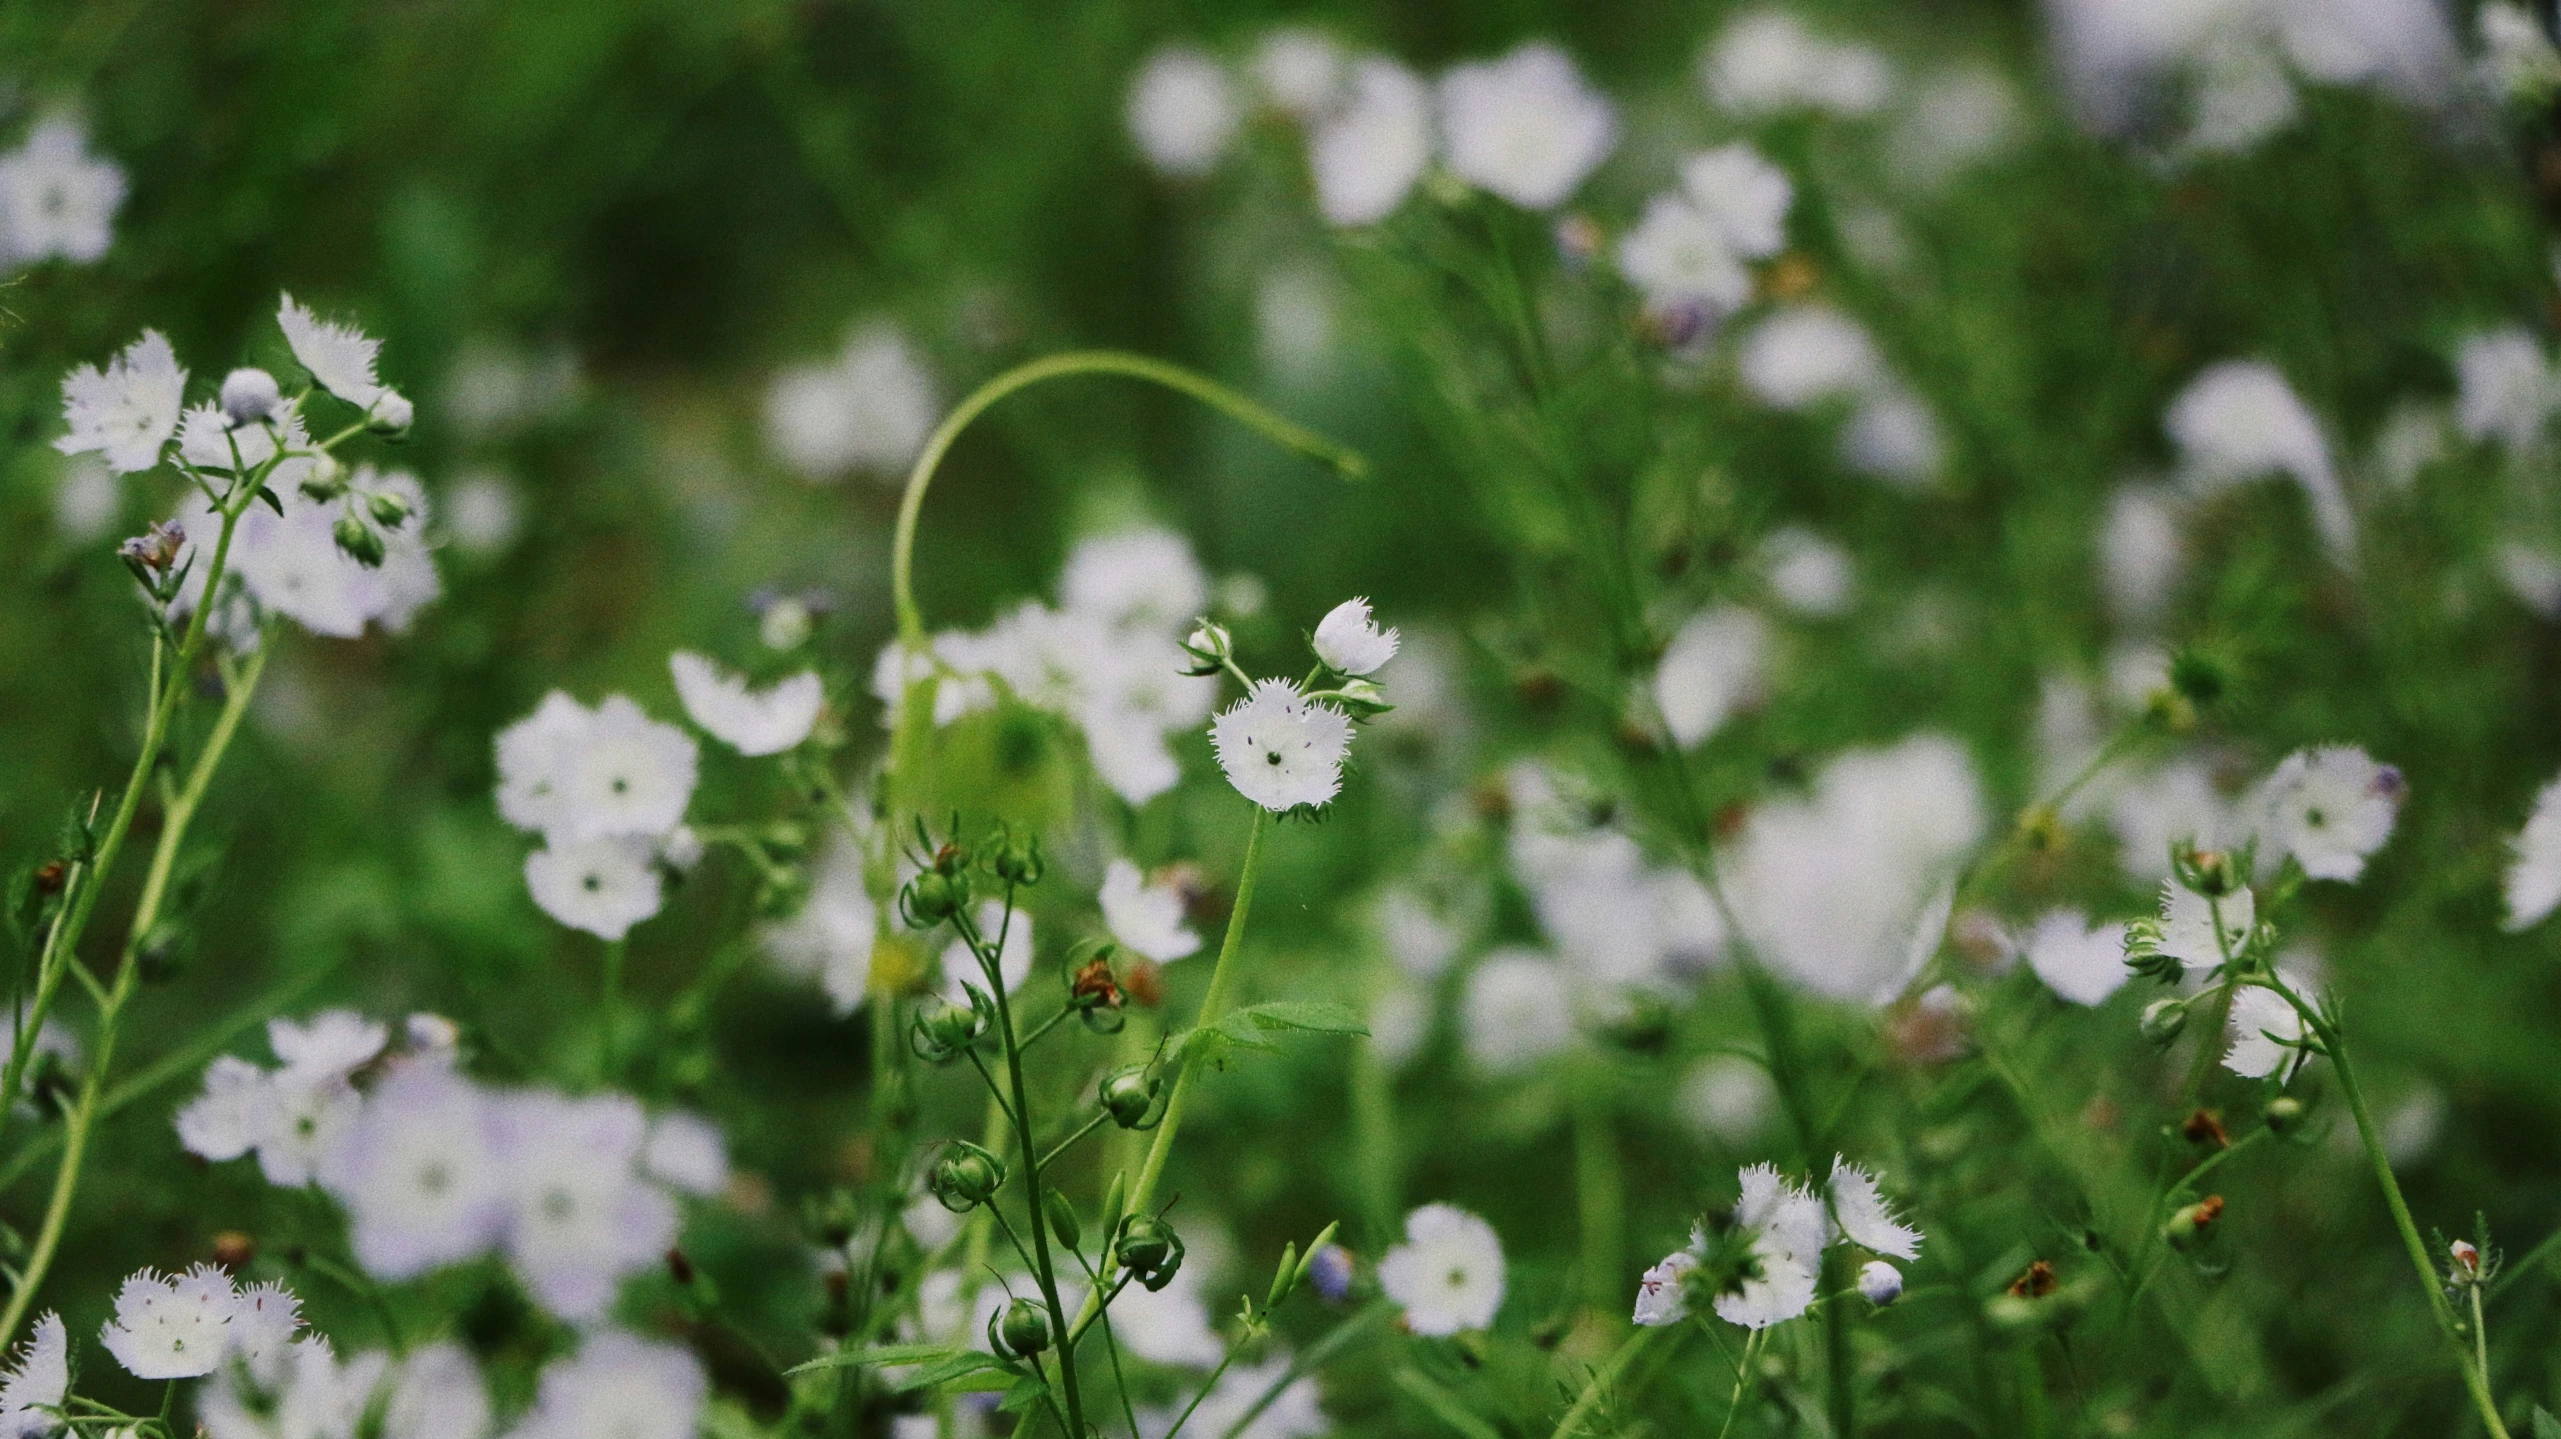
[(1714, 667), (2240, 420), (2330, 807), (128, 411), (1169, 1325), (1526, 126), (578, 1216), (1293, 1413), (1279, 750), (340, 357), (1182, 111), (2175, 802), (1743, 196), (1299, 70), (686, 1153), (2533, 885), (603, 886), (831, 938), (1782, 1229), (1366, 155), (1147, 919), (331, 1044), (2504, 388), (577, 774), (1448, 1274), (56, 198), (418, 1174), (2139, 554), (1517, 1010), (438, 1396), (1728, 1099), (1805, 354), (1679, 257), (1767, 62), (250, 397), (1144, 578), (1865, 1216), (1880, 1283), (293, 564), (1957, 118), (1662, 1295), (2189, 925), (1347, 640), (173, 1327), (752, 722), (1892, 437), (37, 1382), (263, 1324), (2518, 59), (620, 1386), (2080, 961), (869, 409), (1808, 573), (2267, 1031)]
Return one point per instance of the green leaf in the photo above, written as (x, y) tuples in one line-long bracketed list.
[(1027, 1391), (2545, 1426), (1319, 1016), (962, 1365), (942, 1362)]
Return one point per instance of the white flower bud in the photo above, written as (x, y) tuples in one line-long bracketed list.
[(391, 414), (1880, 1283), (250, 397), (1347, 640), (785, 625)]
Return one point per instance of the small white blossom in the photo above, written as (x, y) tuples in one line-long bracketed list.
[(603, 886), (1865, 1216), (1808, 573), (2139, 553), (2079, 961), (1517, 1010), (331, 1044), (173, 1327), (38, 1381), (1880, 1283), (830, 940), (579, 1217), (1146, 919), (752, 722), (1366, 155), (2265, 1029), (1349, 641), (1729, 1099), (439, 1396), (1140, 578), (1661, 1295), (576, 774), (1448, 1274), (1299, 70), (2188, 925), (1182, 111), (1713, 668), (2504, 387), (619, 1387), (56, 198), (1526, 127), (1767, 62), (1805, 354), (2533, 886), (128, 411), (418, 1174), (1679, 256), (869, 409), (2330, 808), (1786, 1228), (1293, 1413), (1892, 437), (686, 1153), (340, 357), (264, 1321), (2240, 420), (1279, 750), (1743, 195)]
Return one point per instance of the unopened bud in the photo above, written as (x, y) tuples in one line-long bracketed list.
[(359, 541), (786, 624), (1022, 1330), (1210, 647), (966, 1178), (2467, 1260), (1062, 1218), (2191, 1222), (2284, 1113), (1880, 1283), (942, 1030), (1018, 861), (390, 509), (2163, 1019), (250, 397), (1363, 698), (933, 897), (1329, 1269), (1128, 1094), (324, 478), (390, 415), (1150, 1250)]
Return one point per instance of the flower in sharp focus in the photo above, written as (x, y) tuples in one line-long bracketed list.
[(1147, 919), (1279, 750), (2080, 961), (2188, 924), (38, 1381), (2330, 807), (173, 1327), (752, 722), (56, 198), (2266, 1031), (1784, 1228), (603, 886), (264, 1322), (1865, 1216), (1448, 1274), (1662, 1295), (1348, 640), (127, 411), (1526, 127), (339, 357), (2533, 881)]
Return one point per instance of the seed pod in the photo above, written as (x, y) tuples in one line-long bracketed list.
[(1021, 1329), (1062, 1218), (967, 1177), (1129, 1093), (1151, 1251)]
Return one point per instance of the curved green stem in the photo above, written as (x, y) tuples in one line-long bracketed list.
[(911, 624)]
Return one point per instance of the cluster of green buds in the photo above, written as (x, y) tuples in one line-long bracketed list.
[(366, 514), (1149, 1249), (943, 886), (966, 1177)]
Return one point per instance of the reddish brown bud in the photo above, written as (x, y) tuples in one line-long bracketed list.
[(2206, 1127), (233, 1250), (2036, 1283)]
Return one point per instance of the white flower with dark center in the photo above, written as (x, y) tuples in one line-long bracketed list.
[(1448, 1274), (128, 411), (311, 1114), (1182, 111), (1713, 668), (2265, 1031), (263, 1324), (417, 1173), (1678, 256), (1785, 1228), (172, 1327), (2080, 961), (1366, 155), (579, 1217), (752, 722), (629, 775), (2239, 421), (1526, 126), (1864, 1215), (1805, 354), (1146, 919), (339, 357), (830, 940), (2189, 924), (1517, 1010), (619, 1387), (37, 1382), (1662, 1296), (1744, 196), (56, 198), (1279, 750), (1348, 640), (2330, 808), (2534, 868), (1142, 578), (603, 886), (533, 753)]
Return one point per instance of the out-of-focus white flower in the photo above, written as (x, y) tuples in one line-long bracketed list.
[(1294, 1413), (56, 198), (439, 1396), (752, 722), (1400, 1019), (172, 1327), (1661, 1295), (331, 1044), (2080, 961), (2265, 1030), (1743, 195), (37, 1381), (1416, 933), (1805, 354), (686, 1153), (2504, 387), (2139, 553), (340, 357), (2176, 802), (2534, 868), (1366, 155), (86, 501), (1013, 939), (290, 564), (129, 411), (578, 1216), (1294, 320), (1299, 70), (1448, 1274), (1526, 127), (1518, 1009), (1809, 574), (418, 1174), (868, 409), (1146, 919), (1892, 436), (2240, 420), (1678, 256), (480, 512), (576, 774), (1787, 1227), (619, 1387), (831, 938), (1169, 1325), (603, 886), (1767, 62), (1348, 640), (1727, 1098), (2532, 574), (2201, 933), (1864, 1214), (1279, 750), (1714, 667), (1141, 578), (1956, 118), (1182, 110), (2517, 57), (1880, 1283), (2414, 436), (2329, 807)]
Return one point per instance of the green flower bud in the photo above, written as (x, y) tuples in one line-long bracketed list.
[(1150, 1250), (2163, 1019), (2285, 1113), (359, 541), (1062, 1218), (966, 1178), (942, 1030), (933, 897), (389, 509), (326, 479), (2200, 675), (1021, 1329), (2191, 1223), (1018, 861), (1129, 1093)]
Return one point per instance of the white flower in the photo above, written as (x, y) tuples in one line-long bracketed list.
[(2189, 919), (1182, 111), (1140, 578), (331, 1044), (1729, 1099), (1300, 71), (2080, 961), (578, 1216), (1865, 1216), (830, 939), (1744, 196), (1891, 436), (1880, 1283), (1517, 1010), (128, 411), (576, 774), (264, 1321), (1714, 667), (2139, 553), (869, 409), (339, 357), (481, 513), (1147, 919), (1661, 1296), (619, 1387), (233, 1116), (2240, 420), (1169, 1325), (290, 563), (1767, 62), (1279, 750), (56, 198), (1366, 155), (2504, 387), (1525, 126), (603, 886), (417, 1174), (38, 1381), (2330, 807), (311, 1114), (753, 722), (439, 1396), (2175, 802), (1415, 932), (1957, 118), (1294, 1413), (1805, 354), (1679, 256), (2534, 869), (686, 1153), (1349, 641), (1013, 955), (1400, 1019), (1787, 1227), (1809, 574), (1448, 1274), (87, 501), (175, 1327), (2517, 58), (2265, 1029)]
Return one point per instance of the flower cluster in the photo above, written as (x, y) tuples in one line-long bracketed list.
[(1764, 1266), (606, 788), (868, 409)]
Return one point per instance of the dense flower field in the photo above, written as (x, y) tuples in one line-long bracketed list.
[(1260, 721)]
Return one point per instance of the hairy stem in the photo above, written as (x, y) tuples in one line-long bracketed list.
[(1602, 1378)]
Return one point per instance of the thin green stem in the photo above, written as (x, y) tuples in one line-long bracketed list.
[(1599, 1194), (1597, 1388), (1062, 1146), (1205, 1386), (1742, 1381), (1308, 1360)]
